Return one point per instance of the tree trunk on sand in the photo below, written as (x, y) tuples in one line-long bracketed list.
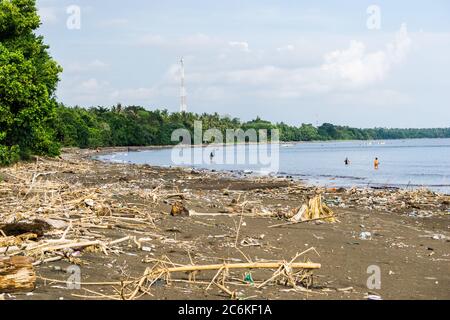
[(16, 275)]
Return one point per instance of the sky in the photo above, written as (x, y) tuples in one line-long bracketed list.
[(353, 62)]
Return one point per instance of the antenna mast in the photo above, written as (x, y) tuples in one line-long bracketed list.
[(183, 105)]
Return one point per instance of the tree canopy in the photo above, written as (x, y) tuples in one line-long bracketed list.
[(136, 126), (28, 80)]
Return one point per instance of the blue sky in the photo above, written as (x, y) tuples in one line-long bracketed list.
[(292, 61)]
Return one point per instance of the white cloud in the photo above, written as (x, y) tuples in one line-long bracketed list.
[(371, 97), (98, 64), (400, 48), (90, 85), (241, 45), (359, 67), (342, 74), (133, 94), (341, 70), (345, 74), (352, 68), (86, 92)]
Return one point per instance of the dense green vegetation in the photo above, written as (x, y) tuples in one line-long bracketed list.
[(32, 123), (136, 126), (28, 80)]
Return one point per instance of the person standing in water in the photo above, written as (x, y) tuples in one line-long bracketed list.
[(347, 161), (376, 164)]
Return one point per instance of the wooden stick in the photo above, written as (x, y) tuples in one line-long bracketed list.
[(255, 265), (300, 222), (226, 290), (73, 245), (124, 239), (37, 263), (111, 283), (218, 214)]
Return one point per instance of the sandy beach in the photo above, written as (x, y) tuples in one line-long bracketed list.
[(125, 211)]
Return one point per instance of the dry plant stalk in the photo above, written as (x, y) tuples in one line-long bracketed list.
[(288, 272), (42, 192)]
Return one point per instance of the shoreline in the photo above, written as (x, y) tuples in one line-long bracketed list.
[(301, 178), (130, 205), (315, 188), (139, 148)]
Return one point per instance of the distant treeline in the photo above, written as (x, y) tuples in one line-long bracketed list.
[(136, 126)]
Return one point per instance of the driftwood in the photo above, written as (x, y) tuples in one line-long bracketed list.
[(216, 267), (289, 272), (16, 275), (17, 229), (14, 241), (315, 210), (300, 222), (192, 213)]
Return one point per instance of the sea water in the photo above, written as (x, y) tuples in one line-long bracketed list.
[(403, 163)]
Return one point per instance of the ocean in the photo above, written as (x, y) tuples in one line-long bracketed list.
[(403, 163)]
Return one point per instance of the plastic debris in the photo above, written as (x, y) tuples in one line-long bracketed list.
[(365, 235), (89, 202), (438, 237), (248, 278)]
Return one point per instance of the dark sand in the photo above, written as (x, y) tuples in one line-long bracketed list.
[(413, 265)]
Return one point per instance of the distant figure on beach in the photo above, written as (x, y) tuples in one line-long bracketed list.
[(376, 164), (347, 161)]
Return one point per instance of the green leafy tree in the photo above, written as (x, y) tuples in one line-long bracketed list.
[(308, 133), (28, 80), (136, 126)]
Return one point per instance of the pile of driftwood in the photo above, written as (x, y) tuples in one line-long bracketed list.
[(43, 218)]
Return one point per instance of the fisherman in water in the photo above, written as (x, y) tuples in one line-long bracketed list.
[(376, 164)]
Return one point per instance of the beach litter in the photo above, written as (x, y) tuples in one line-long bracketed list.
[(374, 297), (439, 237), (315, 210), (57, 210), (420, 203), (365, 235), (248, 278), (46, 220)]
